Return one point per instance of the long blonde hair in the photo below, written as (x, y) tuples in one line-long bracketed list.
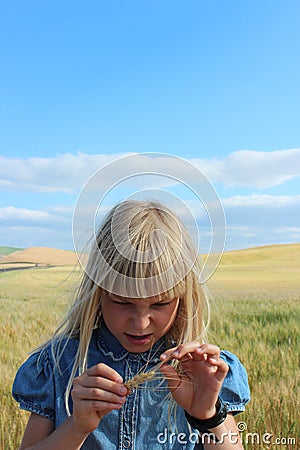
[(141, 249)]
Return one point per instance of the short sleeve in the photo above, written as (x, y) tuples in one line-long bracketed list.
[(33, 387), (235, 391)]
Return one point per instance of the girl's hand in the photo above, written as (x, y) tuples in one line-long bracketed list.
[(95, 393), (196, 386)]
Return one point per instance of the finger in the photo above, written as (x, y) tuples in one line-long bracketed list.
[(206, 352), (171, 376), (80, 392), (167, 355), (215, 362), (102, 370), (101, 383), (220, 364), (180, 351), (99, 395), (87, 406)]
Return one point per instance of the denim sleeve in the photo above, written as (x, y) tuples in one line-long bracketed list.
[(235, 391), (33, 387)]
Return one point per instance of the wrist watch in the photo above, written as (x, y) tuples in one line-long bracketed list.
[(204, 425)]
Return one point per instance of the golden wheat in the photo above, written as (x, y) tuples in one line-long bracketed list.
[(260, 325), (140, 378)]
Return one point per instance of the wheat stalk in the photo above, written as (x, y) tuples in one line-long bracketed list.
[(144, 376), (140, 378)]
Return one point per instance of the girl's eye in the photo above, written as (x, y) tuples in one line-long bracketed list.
[(120, 303), (162, 304)]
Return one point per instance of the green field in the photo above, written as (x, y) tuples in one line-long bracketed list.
[(255, 314), (8, 250)]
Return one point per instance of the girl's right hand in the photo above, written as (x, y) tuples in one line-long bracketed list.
[(96, 392)]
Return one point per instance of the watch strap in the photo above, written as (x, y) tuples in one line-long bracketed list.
[(204, 425)]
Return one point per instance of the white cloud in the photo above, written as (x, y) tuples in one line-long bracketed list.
[(251, 220), (22, 227), (253, 168), (257, 200), (62, 173), (262, 220), (11, 213), (23, 215), (68, 172)]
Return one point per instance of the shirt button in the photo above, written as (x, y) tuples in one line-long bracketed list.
[(126, 443)]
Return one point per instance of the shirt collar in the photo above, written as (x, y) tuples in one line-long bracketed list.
[(110, 346)]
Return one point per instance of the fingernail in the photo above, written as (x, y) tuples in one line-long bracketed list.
[(123, 390)]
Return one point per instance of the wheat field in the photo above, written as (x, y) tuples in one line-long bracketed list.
[(255, 314)]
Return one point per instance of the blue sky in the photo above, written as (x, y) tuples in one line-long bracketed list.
[(85, 83)]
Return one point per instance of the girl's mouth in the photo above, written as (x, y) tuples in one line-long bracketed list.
[(139, 340)]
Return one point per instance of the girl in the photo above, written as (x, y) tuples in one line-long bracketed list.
[(140, 308)]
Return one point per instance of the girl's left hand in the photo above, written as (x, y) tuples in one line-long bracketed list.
[(196, 386)]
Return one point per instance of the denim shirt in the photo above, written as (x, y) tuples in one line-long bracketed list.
[(144, 420)]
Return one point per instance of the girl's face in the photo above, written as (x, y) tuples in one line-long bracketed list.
[(138, 323)]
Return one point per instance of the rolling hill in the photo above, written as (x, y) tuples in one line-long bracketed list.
[(266, 255), (40, 255), (8, 250), (274, 268)]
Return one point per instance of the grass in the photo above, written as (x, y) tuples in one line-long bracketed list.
[(8, 250), (252, 316), (264, 333), (31, 305), (256, 315)]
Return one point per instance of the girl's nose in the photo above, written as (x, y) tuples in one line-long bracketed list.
[(141, 322)]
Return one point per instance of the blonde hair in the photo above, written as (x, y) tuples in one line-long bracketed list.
[(142, 249)]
